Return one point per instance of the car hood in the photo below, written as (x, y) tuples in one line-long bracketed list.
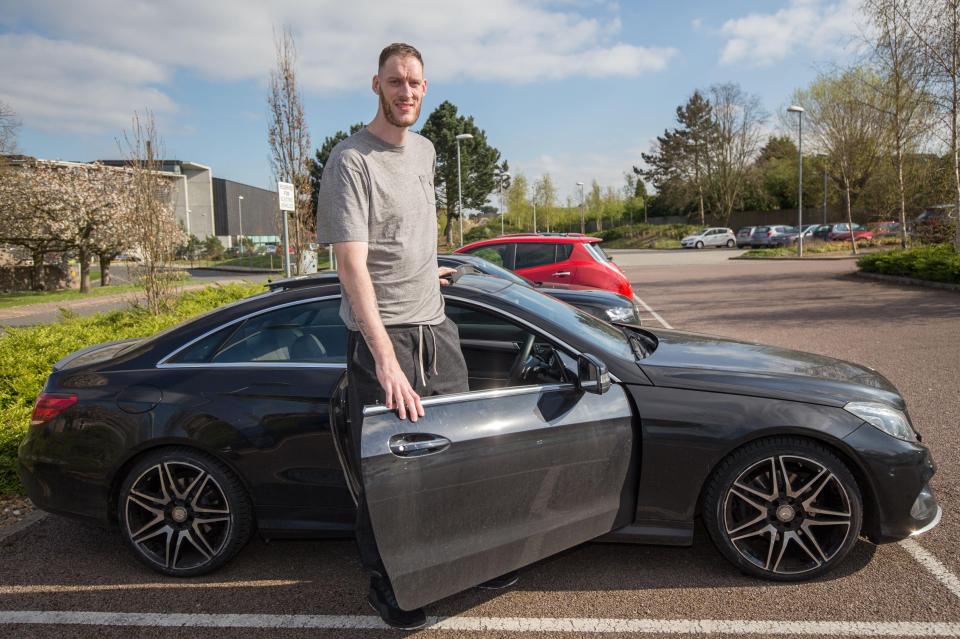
[(717, 364), (691, 237)]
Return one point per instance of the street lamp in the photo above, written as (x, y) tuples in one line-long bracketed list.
[(503, 176), (799, 111), (240, 204), (582, 227), (462, 136)]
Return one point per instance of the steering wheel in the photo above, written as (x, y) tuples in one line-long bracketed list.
[(519, 369)]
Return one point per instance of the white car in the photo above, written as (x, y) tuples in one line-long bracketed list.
[(717, 236)]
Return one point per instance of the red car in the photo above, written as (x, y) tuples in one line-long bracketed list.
[(841, 232), (564, 258)]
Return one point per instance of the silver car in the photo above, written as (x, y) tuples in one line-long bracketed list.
[(717, 236)]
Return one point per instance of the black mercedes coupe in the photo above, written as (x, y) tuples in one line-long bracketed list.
[(574, 430)]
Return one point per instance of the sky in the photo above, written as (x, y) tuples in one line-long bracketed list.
[(576, 88)]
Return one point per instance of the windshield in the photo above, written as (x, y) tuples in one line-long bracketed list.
[(592, 330)]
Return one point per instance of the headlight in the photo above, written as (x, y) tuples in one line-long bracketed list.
[(620, 314), (884, 417)]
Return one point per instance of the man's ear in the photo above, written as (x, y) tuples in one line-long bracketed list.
[(424, 86), (375, 84)]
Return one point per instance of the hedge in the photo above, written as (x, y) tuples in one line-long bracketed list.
[(28, 354), (937, 263)]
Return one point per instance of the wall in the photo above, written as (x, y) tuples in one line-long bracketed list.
[(20, 278)]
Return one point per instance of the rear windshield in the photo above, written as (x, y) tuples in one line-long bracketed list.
[(598, 253)]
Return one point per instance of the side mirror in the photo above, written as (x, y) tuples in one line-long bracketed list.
[(592, 375)]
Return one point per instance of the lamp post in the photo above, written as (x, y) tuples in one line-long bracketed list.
[(240, 204), (582, 227), (799, 111), (503, 175), (462, 136), (824, 190)]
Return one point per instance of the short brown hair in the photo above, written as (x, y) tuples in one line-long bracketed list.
[(401, 49)]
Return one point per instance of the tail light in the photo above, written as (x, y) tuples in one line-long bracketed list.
[(49, 405), (770, 233)]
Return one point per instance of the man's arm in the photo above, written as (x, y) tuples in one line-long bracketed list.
[(358, 287)]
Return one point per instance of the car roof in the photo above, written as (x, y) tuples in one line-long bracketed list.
[(554, 238)]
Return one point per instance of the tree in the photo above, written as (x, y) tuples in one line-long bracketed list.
[(936, 26), (289, 137), (319, 162), (677, 163), (846, 126), (148, 211), (545, 196), (31, 213), (517, 202), (902, 94), (9, 126), (737, 131), (478, 162)]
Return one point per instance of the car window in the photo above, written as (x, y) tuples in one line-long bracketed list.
[(308, 333), (495, 253), (530, 254), (564, 251)]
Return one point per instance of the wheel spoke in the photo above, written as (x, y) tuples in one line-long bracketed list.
[(135, 498), (799, 542), (773, 544), (754, 491), (196, 482), (156, 500), (200, 509), (810, 483), (149, 531), (786, 477), (767, 528), (755, 520), (748, 500), (171, 483), (203, 539), (787, 538)]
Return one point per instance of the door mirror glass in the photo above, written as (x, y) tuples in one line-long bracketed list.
[(592, 375)]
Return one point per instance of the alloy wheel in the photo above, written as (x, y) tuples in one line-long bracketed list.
[(177, 515), (787, 514)]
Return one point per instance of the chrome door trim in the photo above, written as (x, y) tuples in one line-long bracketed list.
[(439, 400), (162, 363), (275, 364)]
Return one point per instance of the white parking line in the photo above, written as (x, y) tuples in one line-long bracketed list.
[(655, 314), (492, 624), (933, 565)]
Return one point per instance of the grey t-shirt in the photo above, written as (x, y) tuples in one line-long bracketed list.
[(383, 194)]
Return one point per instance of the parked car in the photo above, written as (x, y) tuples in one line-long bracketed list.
[(744, 236), (710, 237), (771, 236), (808, 231), (558, 258), (841, 232), (935, 224), (884, 229), (608, 306), (573, 430)]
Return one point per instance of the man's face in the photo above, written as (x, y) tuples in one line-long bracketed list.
[(401, 86)]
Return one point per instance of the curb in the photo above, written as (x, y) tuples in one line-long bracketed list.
[(10, 531), (239, 269), (784, 258), (909, 281)]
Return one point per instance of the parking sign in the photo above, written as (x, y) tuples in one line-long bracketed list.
[(287, 201)]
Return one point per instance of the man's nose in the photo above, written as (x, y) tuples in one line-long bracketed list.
[(406, 89)]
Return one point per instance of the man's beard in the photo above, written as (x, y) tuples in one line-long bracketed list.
[(392, 119)]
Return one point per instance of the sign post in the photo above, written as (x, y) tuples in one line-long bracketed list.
[(287, 203)]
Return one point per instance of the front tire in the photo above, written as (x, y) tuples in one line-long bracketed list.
[(784, 509), (699, 245), (182, 512), (731, 244)]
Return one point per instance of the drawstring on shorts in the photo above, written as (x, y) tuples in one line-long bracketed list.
[(433, 335)]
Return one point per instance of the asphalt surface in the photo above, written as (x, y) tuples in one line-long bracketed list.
[(911, 335)]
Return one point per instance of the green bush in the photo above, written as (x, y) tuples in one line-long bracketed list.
[(28, 354), (647, 235), (937, 263)]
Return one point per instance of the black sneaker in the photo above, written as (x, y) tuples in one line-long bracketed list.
[(503, 581), (384, 602)]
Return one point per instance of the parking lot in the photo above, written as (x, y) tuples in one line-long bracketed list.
[(60, 578)]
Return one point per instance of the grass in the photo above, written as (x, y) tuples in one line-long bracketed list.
[(27, 355), (822, 248)]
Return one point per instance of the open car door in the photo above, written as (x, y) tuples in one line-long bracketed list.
[(491, 481)]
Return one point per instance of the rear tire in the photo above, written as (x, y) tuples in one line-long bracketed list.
[(183, 512), (784, 509)]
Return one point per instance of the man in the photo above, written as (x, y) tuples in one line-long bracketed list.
[(377, 207)]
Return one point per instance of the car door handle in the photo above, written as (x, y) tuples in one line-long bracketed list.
[(417, 444), (562, 274)]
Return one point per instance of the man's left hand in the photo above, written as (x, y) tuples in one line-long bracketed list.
[(444, 272)]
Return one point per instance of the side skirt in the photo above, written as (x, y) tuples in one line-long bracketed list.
[(656, 533)]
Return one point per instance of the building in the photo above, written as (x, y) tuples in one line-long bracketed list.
[(207, 206)]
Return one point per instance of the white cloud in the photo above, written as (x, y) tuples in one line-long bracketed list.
[(221, 40), (814, 27), (59, 85)]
